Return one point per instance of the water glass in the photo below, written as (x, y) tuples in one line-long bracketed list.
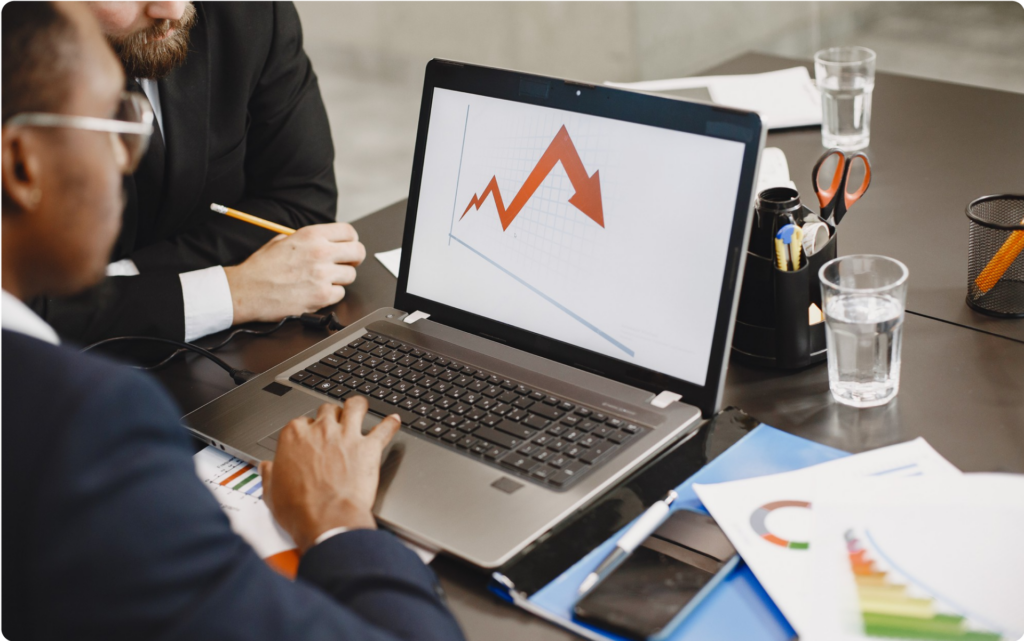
[(846, 79), (863, 297)]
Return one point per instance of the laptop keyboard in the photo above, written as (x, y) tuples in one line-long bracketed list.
[(525, 432)]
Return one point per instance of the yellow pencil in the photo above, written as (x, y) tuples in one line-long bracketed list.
[(252, 220)]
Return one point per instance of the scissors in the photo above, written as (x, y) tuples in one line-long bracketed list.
[(836, 200)]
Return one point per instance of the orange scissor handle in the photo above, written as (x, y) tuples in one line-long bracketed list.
[(826, 196), (833, 206), (855, 196)]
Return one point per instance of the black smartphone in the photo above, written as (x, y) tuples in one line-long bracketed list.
[(654, 590)]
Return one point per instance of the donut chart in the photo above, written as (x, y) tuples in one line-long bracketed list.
[(760, 515)]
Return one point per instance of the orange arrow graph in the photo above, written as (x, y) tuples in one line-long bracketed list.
[(588, 188)]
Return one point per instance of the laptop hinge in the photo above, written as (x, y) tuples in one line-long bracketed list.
[(416, 316), (665, 399)]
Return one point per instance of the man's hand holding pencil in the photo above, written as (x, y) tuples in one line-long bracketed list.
[(297, 271)]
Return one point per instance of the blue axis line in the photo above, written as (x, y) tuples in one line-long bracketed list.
[(554, 302), (895, 469)]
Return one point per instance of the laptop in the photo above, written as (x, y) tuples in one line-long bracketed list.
[(565, 302)]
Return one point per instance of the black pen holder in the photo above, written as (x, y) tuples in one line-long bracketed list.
[(773, 328), (995, 258)]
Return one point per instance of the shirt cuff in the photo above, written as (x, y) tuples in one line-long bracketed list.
[(328, 534), (208, 306), (123, 267)]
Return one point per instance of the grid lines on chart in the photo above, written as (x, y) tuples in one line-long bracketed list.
[(551, 235)]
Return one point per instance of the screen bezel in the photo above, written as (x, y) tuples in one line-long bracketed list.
[(645, 109)]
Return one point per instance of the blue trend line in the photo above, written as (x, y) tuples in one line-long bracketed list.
[(255, 487), (458, 177), (960, 610), (895, 469), (554, 302)]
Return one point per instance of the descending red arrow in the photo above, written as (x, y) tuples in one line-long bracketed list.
[(588, 189)]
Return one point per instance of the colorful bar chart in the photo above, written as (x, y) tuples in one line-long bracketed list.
[(241, 484), (759, 518), (889, 610), (240, 471), (238, 475)]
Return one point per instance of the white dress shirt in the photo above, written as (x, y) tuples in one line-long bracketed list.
[(330, 533), (206, 293), (152, 91), (16, 316)]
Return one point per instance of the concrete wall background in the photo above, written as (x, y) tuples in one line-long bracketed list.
[(370, 56)]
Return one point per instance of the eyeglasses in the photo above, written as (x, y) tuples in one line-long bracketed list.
[(129, 130)]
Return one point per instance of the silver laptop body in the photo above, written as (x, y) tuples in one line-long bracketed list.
[(475, 506)]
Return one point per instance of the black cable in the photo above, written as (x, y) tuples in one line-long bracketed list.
[(227, 339), (238, 375), (328, 322)]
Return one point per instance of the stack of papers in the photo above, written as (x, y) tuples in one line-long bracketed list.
[(785, 98), (892, 543)]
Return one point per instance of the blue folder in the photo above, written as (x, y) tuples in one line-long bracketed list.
[(738, 608)]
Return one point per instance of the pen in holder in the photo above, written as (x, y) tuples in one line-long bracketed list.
[(773, 324)]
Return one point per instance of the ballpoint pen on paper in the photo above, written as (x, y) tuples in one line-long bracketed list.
[(648, 522), (252, 220)]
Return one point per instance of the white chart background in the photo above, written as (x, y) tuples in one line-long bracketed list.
[(644, 288)]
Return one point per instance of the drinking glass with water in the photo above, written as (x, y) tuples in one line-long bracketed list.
[(863, 297), (846, 79)]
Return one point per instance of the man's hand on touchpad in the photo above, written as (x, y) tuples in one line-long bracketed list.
[(326, 471)]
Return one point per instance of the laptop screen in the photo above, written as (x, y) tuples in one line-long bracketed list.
[(608, 235)]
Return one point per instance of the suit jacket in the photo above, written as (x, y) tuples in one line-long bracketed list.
[(244, 126), (109, 534)]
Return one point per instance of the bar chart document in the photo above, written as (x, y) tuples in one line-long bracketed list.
[(604, 234), (239, 490), (770, 519), (930, 558)]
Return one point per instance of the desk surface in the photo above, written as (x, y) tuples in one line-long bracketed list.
[(935, 147), (961, 389)]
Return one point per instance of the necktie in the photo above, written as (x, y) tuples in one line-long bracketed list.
[(149, 181)]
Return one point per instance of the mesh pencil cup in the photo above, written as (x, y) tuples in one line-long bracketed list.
[(995, 259)]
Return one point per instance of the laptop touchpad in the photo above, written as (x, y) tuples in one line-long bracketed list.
[(270, 441)]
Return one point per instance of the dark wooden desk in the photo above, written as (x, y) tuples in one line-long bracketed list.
[(961, 389), (935, 147)]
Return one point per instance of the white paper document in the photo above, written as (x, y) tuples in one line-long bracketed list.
[(238, 489), (931, 557), (773, 170), (392, 260), (785, 98), (769, 519)]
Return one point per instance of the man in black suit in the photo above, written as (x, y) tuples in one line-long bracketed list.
[(108, 533), (239, 122)]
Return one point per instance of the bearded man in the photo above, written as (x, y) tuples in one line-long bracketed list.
[(239, 121)]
